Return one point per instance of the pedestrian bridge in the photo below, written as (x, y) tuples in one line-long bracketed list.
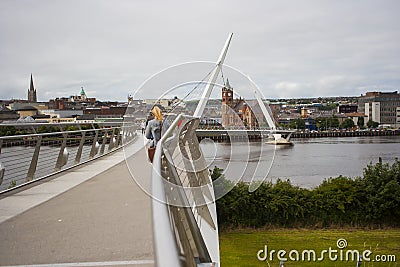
[(87, 210)]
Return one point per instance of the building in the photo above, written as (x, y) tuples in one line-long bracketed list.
[(398, 116), (32, 92), (106, 111), (27, 111), (62, 113), (347, 109), (82, 97), (304, 112), (8, 115), (73, 102), (381, 107), (238, 112), (228, 115), (356, 117)]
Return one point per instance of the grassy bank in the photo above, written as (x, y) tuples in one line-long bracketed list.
[(240, 247)]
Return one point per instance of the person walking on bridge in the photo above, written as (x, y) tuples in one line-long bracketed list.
[(153, 131)]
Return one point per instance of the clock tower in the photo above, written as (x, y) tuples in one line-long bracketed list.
[(227, 95), (227, 102)]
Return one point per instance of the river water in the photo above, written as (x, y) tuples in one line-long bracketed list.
[(307, 163)]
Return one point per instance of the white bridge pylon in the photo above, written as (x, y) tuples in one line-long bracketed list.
[(210, 85), (277, 134)]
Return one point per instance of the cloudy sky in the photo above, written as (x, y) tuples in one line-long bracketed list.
[(289, 48)]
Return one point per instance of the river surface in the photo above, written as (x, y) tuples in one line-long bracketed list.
[(307, 163)]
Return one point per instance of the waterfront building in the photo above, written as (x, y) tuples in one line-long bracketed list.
[(381, 107), (356, 117), (32, 92), (398, 116), (237, 112), (276, 108)]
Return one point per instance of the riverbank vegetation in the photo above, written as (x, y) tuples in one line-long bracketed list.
[(371, 201)]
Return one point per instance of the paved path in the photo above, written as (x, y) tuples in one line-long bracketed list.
[(93, 215)]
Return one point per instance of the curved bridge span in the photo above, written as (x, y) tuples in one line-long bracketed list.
[(90, 215)]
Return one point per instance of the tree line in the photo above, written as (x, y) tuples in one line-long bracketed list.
[(325, 123), (372, 200)]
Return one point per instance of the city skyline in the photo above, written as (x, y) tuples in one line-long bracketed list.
[(289, 49)]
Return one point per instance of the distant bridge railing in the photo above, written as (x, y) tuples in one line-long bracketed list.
[(27, 158), (185, 227)]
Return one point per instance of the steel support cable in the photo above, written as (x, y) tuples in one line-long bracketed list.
[(18, 165), (17, 152), (198, 84), (25, 160)]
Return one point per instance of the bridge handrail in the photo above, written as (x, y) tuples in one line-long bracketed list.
[(165, 246), (181, 213), (27, 158), (27, 124), (54, 133)]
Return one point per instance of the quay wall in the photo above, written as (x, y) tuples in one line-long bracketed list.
[(225, 135), (346, 134)]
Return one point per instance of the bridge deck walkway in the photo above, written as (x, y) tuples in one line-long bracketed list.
[(91, 215)]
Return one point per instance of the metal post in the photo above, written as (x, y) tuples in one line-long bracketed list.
[(103, 143), (34, 161), (111, 144), (79, 153), (119, 137), (95, 145), (2, 169), (63, 154)]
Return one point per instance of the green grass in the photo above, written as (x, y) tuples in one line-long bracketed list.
[(240, 247)]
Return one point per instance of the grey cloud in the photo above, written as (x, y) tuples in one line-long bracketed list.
[(111, 47)]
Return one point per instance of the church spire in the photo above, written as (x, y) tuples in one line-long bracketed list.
[(32, 92), (228, 86), (31, 88)]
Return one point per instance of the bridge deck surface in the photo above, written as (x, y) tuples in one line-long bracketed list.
[(79, 220)]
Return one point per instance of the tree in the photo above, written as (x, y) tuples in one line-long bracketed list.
[(347, 124), (372, 124), (326, 123), (7, 130), (297, 124), (381, 184), (360, 122), (333, 122)]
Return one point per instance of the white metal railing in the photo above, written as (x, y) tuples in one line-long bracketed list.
[(26, 158), (185, 227)]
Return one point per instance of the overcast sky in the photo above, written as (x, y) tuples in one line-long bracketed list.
[(289, 48)]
